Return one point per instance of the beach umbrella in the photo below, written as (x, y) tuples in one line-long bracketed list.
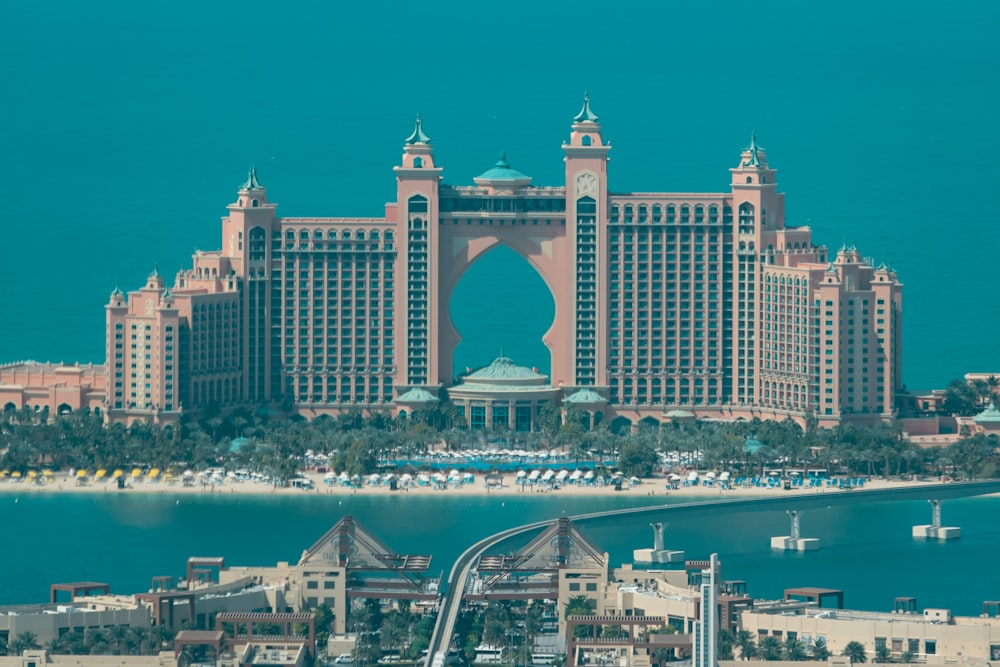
[(521, 473), (635, 480), (188, 473), (576, 475), (406, 477), (117, 473), (136, 473)]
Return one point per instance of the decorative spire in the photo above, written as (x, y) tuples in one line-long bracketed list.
[(252, 183), (754, 160), (167, 294), (155, 273), (586, 115), (117, 291), (418, 136), (502, 163)]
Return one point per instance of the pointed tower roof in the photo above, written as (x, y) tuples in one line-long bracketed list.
[(155, 273), (753, 148), (117, 291), (252, 183), (418, 136), (586, 115)]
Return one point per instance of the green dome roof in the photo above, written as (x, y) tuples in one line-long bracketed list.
[(502, 172), (585, 396), (504, 368), (988, 416), (416, 395)]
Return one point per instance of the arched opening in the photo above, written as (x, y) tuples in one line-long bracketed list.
[(649, 422), (501, 303), (64, 409), (621, 426), (9, 407)]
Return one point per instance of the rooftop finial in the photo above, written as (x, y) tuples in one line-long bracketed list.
[(252, 183), (155, 273), (418, 136), (754, 159), (585, 115), (117, 291)]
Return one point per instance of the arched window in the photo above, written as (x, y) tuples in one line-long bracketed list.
[(586, 140), (374, 235), (254, 203), (418, 162), (417, 204), (749, 179), (360, 235)]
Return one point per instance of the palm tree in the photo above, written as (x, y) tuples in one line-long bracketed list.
[(770, 648), (820, 649), (909, 656), (856, 652), (883, 655), (748, 649), (793, 649), (25, 641)]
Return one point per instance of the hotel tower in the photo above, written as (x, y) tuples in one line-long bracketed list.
[(668, 305)]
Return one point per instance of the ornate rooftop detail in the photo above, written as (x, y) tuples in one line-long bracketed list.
[(501, 171), (252, 183), (754, 159), (416, 395), (418, 136), (504, 368), (990, 415), (117, 291), (586, 115), (585, 396)]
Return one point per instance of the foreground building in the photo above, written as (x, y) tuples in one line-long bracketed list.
[(707, 304)]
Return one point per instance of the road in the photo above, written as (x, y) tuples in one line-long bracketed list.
[(452, 598)]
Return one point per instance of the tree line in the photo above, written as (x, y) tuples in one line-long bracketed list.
[(276, 443)]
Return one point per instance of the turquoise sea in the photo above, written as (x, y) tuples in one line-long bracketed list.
[(125, 128), (126, 539)]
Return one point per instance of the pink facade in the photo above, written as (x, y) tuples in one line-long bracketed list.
[(664, 301), (52, 388)]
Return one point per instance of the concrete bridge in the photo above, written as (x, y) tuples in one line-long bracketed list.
[(451, 601)]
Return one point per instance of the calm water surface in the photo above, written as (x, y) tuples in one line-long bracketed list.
[(125, 539)]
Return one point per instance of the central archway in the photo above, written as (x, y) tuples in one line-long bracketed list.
[(544, 249), (501, 302)]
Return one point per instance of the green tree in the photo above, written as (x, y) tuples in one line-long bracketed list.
[(820, 650), (856, 652), (793, 649), (770, 648), (883, 655)]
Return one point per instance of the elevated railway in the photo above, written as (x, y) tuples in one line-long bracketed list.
[(451, 600)]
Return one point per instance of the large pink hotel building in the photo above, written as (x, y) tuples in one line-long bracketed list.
[(668, 305)]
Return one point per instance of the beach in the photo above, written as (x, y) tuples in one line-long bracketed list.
[(66, 483)]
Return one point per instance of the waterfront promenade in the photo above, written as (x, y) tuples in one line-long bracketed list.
[(452, 596)]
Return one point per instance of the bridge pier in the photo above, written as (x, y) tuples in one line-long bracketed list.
[(657, 554), (794, 542), (935, 531)]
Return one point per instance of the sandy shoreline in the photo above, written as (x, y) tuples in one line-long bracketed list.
[(654, 486)]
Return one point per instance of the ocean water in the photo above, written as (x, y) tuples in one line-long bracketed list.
[(126, 539), (125, 128)]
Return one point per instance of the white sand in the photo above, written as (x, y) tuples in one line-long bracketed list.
[(655, 486)]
